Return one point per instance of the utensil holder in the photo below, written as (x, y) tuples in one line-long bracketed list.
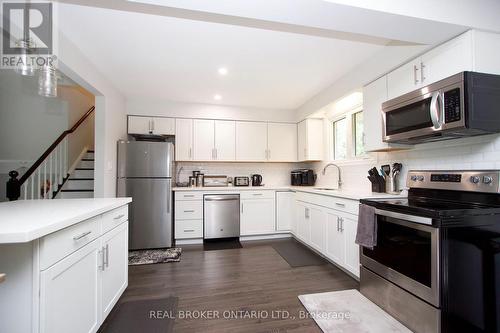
[(391, 185)]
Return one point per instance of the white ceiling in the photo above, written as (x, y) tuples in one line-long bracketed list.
[(162, 57)]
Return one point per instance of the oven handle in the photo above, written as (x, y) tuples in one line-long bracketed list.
[(435, 111), (405, 217)]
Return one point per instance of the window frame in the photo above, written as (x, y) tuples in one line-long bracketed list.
[(350, 132)]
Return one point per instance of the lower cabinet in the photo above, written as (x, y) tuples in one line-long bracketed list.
[(78, 292), (332, 232), (70, 292), (257, 216), (285, 211)]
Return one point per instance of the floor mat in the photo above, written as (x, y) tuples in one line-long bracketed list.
[(141, 316), (349, 311), (221, 244), (296, 254), (156, 256)]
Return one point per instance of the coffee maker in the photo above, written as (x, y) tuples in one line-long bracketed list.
[(256, 180)]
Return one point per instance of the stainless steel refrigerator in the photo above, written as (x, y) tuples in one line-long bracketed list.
[(145, 171)]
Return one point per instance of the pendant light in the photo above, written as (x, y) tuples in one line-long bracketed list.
[(47, 81), (24, 67)]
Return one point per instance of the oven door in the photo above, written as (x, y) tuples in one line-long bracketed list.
[(407, 254), (424, 113)]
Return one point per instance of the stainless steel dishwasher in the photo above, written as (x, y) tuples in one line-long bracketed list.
[(221, 216)]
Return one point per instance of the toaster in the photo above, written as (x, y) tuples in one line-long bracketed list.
[(241, 181)]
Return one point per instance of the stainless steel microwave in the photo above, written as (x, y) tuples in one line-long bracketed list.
[(465, 104)]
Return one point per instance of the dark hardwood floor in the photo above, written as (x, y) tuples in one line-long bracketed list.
[(254, 277)]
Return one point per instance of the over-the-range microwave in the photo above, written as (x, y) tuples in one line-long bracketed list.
[(465, 104)]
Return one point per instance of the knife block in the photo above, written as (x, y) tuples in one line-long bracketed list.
[(378, 187)]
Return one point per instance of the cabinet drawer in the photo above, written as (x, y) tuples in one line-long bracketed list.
[(256, 195), (59, 244), (188, 210), (188, 229), (114, 218), (183, 196), (344, 205)]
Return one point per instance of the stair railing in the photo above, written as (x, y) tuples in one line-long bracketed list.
[(47, 175)]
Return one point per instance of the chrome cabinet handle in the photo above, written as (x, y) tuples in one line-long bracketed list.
[(189, 211), (255, 194), (190, 154), (86, 233), (422, 76), (338, 224), (415, 69), (188, 230), (341, 227), (119, 217), (215, 153), (339, 204), (242, 208), (101, 267), (107, 255)]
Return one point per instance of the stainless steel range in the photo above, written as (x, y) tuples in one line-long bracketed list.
[(436, 265)]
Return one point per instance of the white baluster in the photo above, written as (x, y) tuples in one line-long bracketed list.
[(45, 193), (32, 187), (61, 176), (38, 194), (25, 186), (65, 157)]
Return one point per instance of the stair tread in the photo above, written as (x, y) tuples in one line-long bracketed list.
[(84, 168), (65, 190), (90, 151), (88, 159)]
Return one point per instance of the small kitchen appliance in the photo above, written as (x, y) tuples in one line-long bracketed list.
[(256, 180), (241, 181), (303, 177)]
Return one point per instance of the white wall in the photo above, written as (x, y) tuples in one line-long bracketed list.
[(139, 106), (110, 120)]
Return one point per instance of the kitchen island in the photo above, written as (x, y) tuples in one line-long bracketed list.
[(66, 263)]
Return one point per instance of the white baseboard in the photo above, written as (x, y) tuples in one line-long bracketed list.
[(189, 241), (263, 237)]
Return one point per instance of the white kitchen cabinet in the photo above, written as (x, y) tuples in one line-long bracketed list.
[(281, 142), (335, 249), (139, 125), (285, 211), (163, 126), (318, 222), (151, 125), (183, 139), (225, 140), (303, 222), (350, 226), (374, 94), (251, 141), (404, 79), (310, 140), (114, 271), (203, 140), (257, 216), (70, 293)]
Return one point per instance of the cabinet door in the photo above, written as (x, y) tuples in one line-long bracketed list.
[(448, 59), (282, 142), (314, 141), (139, 125), (301, 141), (70, 293), (285, 210), (335, 246), (318, 228), (251, 141), (183, 139), (203, 133), (349, 226), (303, 222), (404, 79), (225, 140), (257, 216), (114, 274), (163, 126)]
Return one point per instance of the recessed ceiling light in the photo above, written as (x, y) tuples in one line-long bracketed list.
[(217, 97), (222, 71)]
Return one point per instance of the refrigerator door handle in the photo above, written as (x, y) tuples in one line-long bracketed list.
[(168, 201)]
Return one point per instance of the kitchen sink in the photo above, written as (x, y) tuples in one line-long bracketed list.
[(325, 189)]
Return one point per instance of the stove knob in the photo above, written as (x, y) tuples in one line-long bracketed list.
[(474, 179), (420, 178), (487, 179), (413, 178)]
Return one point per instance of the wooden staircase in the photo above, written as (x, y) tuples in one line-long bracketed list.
[(80, 182)]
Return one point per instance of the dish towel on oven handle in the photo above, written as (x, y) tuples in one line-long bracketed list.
[(366, 234)]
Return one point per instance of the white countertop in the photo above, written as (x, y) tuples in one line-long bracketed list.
[(26, 220), (347, 194)]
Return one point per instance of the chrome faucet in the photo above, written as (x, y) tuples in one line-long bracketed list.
[(339, 182)]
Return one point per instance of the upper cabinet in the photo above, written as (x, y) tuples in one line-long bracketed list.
[(225, 140), (251, 141), (374, 95), (151, 125), (281, 142), (203, 139), (471, 51), (310, 140), (184, 140)]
